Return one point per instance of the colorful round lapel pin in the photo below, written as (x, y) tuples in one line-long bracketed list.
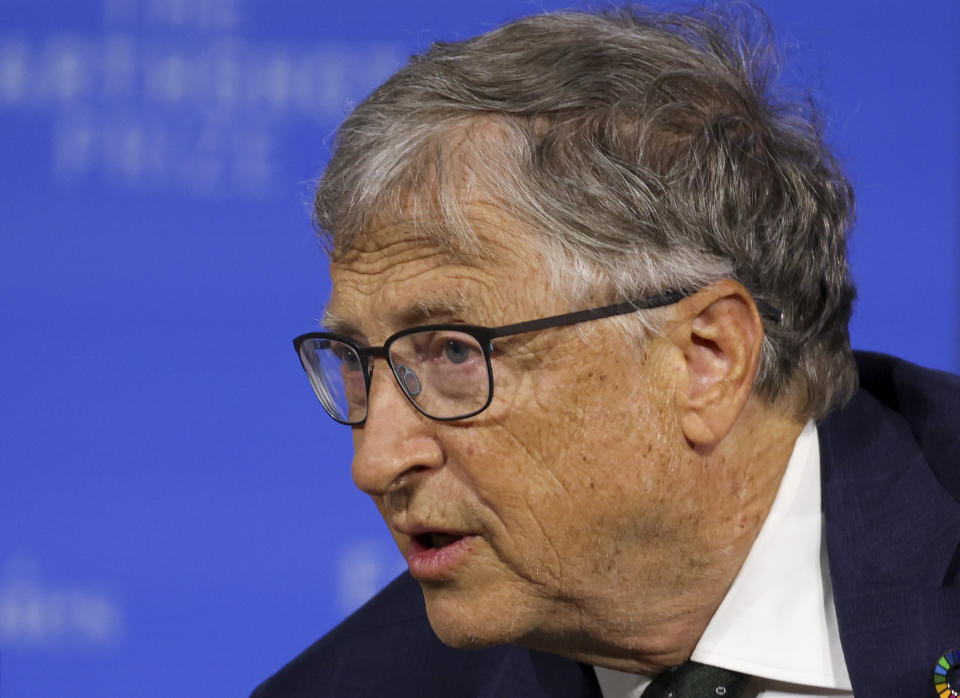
[(946, 675)]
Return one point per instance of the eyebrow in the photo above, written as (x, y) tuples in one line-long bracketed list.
[(434, 307), (334, 323)]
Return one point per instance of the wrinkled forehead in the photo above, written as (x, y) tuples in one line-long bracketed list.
[(394, 233), (481, 234), (398, 274)]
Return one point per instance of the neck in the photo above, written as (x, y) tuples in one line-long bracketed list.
[(652, 614)]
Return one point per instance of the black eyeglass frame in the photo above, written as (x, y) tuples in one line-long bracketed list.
[(485, 336)]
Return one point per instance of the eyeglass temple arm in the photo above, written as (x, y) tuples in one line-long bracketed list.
[(771, 313), (621, 308)]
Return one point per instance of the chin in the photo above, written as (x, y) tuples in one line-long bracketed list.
[(462, 638), (467, 620)]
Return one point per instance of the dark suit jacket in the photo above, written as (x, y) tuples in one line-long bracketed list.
[(891, 497)]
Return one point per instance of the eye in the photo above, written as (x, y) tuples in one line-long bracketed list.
[(347, 356), (351, 361), (457, 352)]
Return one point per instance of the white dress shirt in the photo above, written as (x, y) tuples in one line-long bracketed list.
[(777, 621)]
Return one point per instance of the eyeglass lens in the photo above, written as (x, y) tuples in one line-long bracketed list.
[(336, 374), (444, 373)]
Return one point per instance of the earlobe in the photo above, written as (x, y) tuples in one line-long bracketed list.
[(719, 335)]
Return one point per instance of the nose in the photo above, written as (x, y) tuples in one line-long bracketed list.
[(396, 443)]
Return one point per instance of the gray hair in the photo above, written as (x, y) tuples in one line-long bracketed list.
[(646, 150)]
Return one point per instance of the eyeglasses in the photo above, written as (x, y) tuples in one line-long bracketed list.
[(444, 370)]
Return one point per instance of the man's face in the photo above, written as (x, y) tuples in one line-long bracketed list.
[(561, 505)]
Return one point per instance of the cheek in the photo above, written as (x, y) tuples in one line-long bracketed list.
[(553, 514), (604, 469), (574, 467), (518, 503)]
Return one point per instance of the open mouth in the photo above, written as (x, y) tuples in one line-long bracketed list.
[(434, 555), (435, 541)]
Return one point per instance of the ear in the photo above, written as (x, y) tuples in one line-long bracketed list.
[(718, 333)]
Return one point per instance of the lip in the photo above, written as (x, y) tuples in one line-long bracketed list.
[(433, 564)]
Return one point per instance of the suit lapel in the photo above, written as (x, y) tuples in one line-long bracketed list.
[(892, 537)]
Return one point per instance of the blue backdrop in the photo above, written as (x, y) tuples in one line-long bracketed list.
[(176, 513)]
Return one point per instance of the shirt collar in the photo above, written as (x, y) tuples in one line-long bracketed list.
[(777, 620)]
